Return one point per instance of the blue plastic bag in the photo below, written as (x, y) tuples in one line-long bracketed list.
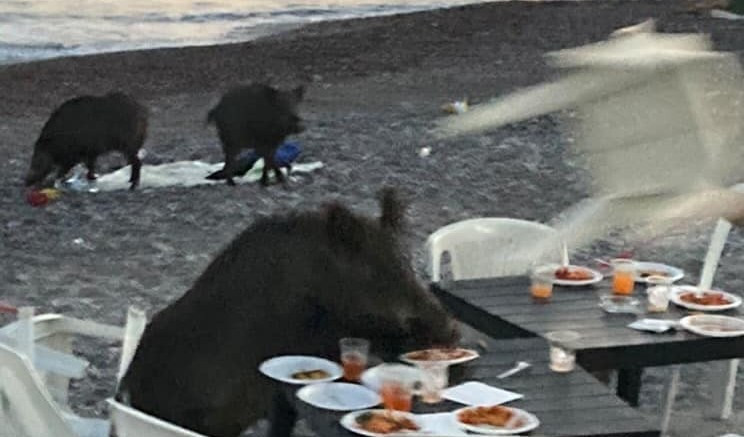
[(285, 155)]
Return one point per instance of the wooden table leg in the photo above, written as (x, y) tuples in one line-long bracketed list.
[(629, 385)]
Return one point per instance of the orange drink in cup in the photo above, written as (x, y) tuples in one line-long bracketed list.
[(541, 284), (397, 386), (623, 276), (396, 396), (354, 353)]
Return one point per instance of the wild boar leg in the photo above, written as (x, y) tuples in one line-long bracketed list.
[(90, 163), (229, 169), (136, 164)]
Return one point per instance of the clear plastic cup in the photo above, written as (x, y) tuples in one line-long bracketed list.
[(397, 386), (658, 293), (434, 379), (354, 353), (623, 276), (562, 350), (541, 283)]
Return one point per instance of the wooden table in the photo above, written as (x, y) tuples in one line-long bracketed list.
[(503, 308), (570, 404)]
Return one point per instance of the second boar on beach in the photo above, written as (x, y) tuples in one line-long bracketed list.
[(258, 117), (85, 127)]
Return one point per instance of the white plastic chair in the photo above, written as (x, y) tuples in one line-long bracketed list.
[(26, 407), (53, 362), (724, 373), (129, 422), (489, 247)]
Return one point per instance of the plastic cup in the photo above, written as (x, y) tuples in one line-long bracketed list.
[(541, 284), (623, 276), (658, 293), (434, 379), (396, 387), (562, 350), (354, 353)]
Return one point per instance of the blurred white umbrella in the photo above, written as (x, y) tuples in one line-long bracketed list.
[(658, 123)]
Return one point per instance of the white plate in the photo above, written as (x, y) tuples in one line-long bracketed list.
[(596, 277), (338, 396), (349, 422), (701, 324), (282, 368), (531, 422), (371, 377), (673, 273), (675, 296), (470, 357)]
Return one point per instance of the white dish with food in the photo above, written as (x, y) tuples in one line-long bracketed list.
[(697, 299), (519, 422), (440, 355), (361, 422), (301, 369), (711, 325), (575, 276), (644, 269)]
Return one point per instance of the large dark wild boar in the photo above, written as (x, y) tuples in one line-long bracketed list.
[(85, 127), (256, 117), (290, 284)]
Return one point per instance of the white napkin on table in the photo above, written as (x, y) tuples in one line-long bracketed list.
[(440, 424), (477, 393)]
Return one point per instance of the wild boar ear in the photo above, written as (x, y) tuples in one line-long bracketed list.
[(392, 209), (344, 229)]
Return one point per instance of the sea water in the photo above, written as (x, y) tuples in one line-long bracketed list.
[(38, 29)]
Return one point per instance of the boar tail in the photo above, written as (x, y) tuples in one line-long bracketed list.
[(392, 209)]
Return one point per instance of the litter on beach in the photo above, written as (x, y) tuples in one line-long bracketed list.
[(186, 174)]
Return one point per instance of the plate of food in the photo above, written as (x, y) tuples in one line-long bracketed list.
[(442, 355), (301, 369), (338, 396), (695, 298), (711, 325), (645, 269), (376, 423), (575, 275), (496, 420)]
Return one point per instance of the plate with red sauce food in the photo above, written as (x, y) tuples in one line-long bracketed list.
[(711, 325), (697, 299), (441, 355), (575, 275), (645, 269), (376, 423), (496, 420)]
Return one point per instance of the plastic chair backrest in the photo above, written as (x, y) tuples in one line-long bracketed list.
[(129, 422), (26, 408), (489, 247), (715, 248)]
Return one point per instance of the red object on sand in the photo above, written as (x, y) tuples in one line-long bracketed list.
[(625, 254), (8, 308), (37, 198)]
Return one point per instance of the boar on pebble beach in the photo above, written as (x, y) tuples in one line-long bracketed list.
[(289, 284)]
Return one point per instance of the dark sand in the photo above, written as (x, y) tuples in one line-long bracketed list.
[(375, 90)]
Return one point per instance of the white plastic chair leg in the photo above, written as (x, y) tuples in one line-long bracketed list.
[(670, 393), (723, 386), (136, 322)]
